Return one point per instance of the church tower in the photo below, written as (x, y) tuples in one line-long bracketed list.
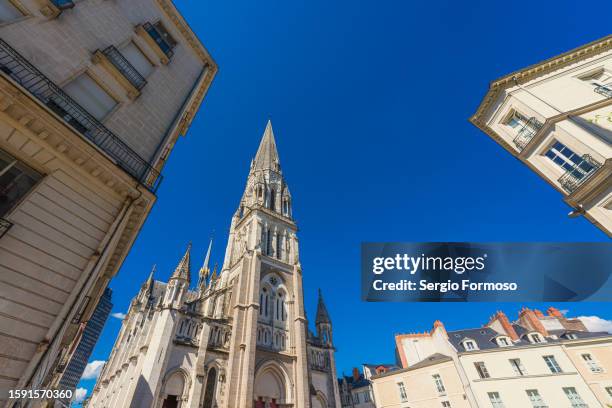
[(268, 353), (240, 339)]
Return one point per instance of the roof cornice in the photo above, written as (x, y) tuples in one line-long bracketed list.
[(542, 68)]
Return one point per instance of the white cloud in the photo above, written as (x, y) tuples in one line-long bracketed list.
[(79, 395), (118, 315), (596, 323), (92, 370)]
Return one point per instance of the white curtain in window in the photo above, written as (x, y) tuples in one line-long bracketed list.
[(132, 53), (90, 96)]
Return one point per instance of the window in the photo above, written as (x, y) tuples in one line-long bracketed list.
[(402, 392), (439, 384), (356, 398), (598, 78), (503, 341), (592, 364), (16, 179), (517, 366), (536, 399), (134, 55), (571, 336), (552, 364), (535, 338), (516, 121), (160, 35), (495, 400), (446, 404), (8, 11), (565, 158), (469, 345), (482, 370), (90, 96), (366, 396), (574, 397)]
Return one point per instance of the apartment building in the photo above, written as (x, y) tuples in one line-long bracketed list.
[(556, 118), (432, 382), (538, 361), (93, 96)]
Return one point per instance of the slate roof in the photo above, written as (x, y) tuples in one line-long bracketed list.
[(485, 337), (426, 362)]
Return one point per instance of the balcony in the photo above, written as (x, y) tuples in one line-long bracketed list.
[(42, 88), (5, 225), (124, 67), (605, 90), (579, 173), (526, 133)]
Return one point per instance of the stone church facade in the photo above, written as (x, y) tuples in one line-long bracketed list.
[(240, 338)]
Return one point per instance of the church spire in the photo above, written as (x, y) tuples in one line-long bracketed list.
[(183, 269), (322, 315), (205, 269), (267, 155)]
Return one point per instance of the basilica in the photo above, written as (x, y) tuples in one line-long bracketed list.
[(240, 338)]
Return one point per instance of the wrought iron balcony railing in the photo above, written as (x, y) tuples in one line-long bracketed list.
[(63, 4), (42, 88), (605, 90), (162, 42), (527, 132), (580, 172), (124, 66), (5, 225)]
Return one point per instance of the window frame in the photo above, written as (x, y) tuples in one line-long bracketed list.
[(30, 171), (552, 364)]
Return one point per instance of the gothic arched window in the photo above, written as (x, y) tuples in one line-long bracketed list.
[(272, 199), (209, 392)]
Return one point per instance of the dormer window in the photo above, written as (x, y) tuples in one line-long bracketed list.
[(503, 341), (571, 336), (469, 345), (536, 338)]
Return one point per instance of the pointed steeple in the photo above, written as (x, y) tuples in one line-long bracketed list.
[(214, 274), (205, 269), (322, 315), (183, 269), (267, 155)]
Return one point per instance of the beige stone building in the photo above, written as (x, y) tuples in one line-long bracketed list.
[(556, 117), (538, 361), (93, 95), (240, 338)]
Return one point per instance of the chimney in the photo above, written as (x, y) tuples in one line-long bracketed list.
[(538, 313), (554, 312), (501, 317), (528, 318), (356, 374)]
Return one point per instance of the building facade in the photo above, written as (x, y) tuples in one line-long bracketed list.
[(93, 96), (538, 361), (555, 117), (356, 390), (238, 339), (78, 360)]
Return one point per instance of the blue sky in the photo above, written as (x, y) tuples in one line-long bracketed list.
[(369, 102)]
